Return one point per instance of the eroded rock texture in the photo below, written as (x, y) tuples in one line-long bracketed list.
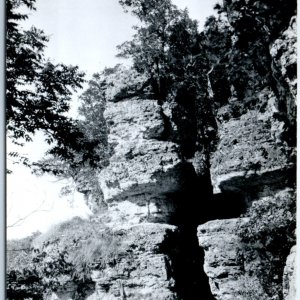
[(142, 270), (223, 263), (147, 185), (145, 171), (248, 257), (251, 152), (156, 188), (245, 259), (289, 276)]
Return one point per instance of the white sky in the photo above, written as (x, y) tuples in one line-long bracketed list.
[(83, 33)]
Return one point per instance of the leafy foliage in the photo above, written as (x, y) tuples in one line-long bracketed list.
[(163, 47), (252, 26), (46, 270), (113, 84), (116, 84), (81, 168), (38, 92), (201, 72), (18, 250), (168, 49), (90, 244), (217, 40)]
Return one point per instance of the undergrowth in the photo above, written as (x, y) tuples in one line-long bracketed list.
[(63, 256)]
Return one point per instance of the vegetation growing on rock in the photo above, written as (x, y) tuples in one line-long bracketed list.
[(61, 260), (268, 235), (38, 92), (196, 105)]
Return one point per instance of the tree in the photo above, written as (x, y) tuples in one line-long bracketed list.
[(217, 42), (169, 50), (38, 92), (164, 45), (35, 272), (83, 165), (256, 25)]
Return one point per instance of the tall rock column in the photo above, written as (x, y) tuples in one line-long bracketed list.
[(147, 190)]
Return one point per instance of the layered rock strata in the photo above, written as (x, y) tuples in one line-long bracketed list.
[(142, 270), (153, 197), (251, 153), (223, 264), (148, 188), (245, 268), (145, 171), (255, 160)]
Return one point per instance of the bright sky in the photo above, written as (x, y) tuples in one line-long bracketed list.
[(83, 33)]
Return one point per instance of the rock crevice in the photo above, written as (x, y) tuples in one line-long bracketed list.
[(152, 195)]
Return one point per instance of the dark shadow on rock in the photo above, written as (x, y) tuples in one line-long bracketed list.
[(186, 264)]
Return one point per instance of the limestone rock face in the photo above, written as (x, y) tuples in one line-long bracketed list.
[(251, 151), (251, 160), (144, 169), (254, 160), (238, 270), (144, 182), (142, 271), (284, 54), (223, 263), (289, 276)]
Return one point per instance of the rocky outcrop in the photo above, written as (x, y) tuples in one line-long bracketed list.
[(148, 187), (252, 161), (155, 188), (251, 152), (227, 264), (222, 262), (245, 257), (216, 151), (142, 270), (145, 171), (153, 194)]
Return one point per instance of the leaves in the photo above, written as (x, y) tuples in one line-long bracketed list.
[(38, 92), (61, 258), (268, 236), (163, 47)]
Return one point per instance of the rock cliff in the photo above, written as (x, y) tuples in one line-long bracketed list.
[(200, 193), (144, 272), (155, 192), (248, 257), (145, 171), (149, 188)]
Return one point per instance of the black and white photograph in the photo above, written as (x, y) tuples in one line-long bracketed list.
[(151, 150)]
